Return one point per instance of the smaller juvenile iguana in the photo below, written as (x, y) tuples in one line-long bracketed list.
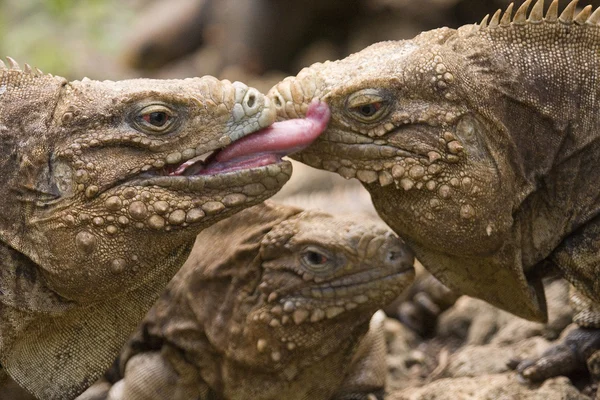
[(104, 186), (273, 303), (480, 147)]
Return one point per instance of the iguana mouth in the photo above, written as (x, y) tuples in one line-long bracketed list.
[(358, 287), (211, 163), (371, 288), (360, 283), (264, 147)]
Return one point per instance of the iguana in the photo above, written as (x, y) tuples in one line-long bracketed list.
[(480, 147), (104, 187), (273, 303)]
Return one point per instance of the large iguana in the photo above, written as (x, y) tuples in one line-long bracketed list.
[(104, 187), (480, 147), (273, 303)]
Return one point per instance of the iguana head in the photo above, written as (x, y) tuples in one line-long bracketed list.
[(416, 121), (117, 174), (105, 186), (289, 281)]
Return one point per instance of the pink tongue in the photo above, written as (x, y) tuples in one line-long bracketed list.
[(281, 138)]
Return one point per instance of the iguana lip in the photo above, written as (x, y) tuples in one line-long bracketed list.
[(208, 164), (369, 283), (367, 289)]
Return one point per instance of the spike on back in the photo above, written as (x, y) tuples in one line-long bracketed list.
[(484, 21), (569, 12), (521, 14), (536, 15), (587, 16), (506, 18), (495, 21), (12, 65), (583, 16), (552, 14), (594, 19)]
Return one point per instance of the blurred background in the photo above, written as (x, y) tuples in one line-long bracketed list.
[(258, 41)]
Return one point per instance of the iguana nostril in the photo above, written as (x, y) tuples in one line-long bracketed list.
[(251, 100), (394, 255)]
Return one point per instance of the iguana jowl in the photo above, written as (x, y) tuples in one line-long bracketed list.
[(279, 308), (480, 146), (104, 187)]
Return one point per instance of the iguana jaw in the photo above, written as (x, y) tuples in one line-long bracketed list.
[(350, 294)]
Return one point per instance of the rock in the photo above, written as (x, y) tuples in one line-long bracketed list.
[(491, 387)]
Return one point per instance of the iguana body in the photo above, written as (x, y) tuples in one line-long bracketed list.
[(104, 190), (480, 146), (273, 303)]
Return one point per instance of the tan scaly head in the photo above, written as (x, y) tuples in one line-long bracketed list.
[(104, 187), (442, 130), (282, 290)]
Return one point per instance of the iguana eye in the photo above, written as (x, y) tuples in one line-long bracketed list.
[(367, 105), (368, 110), (155, 119), (316, 260)]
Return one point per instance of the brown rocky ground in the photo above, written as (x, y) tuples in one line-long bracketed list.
[(469, 354)]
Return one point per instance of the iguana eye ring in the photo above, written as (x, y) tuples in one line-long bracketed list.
[(155, 119), (316, 260), (367, 105)]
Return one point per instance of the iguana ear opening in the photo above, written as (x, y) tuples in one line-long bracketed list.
[(470, 133)]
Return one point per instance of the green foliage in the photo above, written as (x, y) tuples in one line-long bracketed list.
[(64, 37)]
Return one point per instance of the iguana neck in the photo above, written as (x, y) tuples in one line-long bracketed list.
[(120, 313), (531, 89)]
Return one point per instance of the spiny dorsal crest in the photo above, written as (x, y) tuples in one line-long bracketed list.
[(14, 66), (536, 15)]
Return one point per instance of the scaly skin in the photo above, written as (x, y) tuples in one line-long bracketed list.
[(480, 148), (279, 309), (98, 214)]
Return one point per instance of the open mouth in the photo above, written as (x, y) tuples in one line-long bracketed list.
[(211, 163), (264, 147)]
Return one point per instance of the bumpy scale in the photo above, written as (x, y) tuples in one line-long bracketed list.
[(105, 186), (278, 309), (480, 147)]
